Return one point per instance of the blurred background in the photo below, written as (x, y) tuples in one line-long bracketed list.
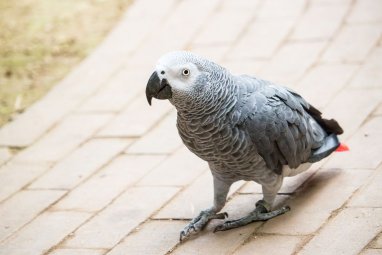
[(88, 168), (40, 41)]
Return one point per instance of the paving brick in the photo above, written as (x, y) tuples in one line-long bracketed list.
[(217, 30), (180, 168), (153, 237), (369, 195), (38, 118), (353, 43), (290, 184), (225, 242), (172, 35), (377, 243), (43, 233), (330, 2), (23, 207), (121, 173), (261, 39), (320, 21), (77, 252), (5, 155), (244, 66), (137, 119), (378, 110), (371, 252), (351, 107), (15, 175), (120, 218), (365, 11), (356, 226), (212, 52), (121, 90), (196, 197), (64, 138), (89, 75), (370, 76), (325, 80), (163, 139), (282, 70), (364, 150), (262, 244), (243, 204), (314, 202), (80, 164), (273, 9)]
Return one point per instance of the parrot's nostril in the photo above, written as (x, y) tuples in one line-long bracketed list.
[(162, 72)]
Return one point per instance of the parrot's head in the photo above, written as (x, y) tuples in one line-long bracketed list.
[(180, 76)]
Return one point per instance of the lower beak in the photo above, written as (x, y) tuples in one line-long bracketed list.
[(157, 88)]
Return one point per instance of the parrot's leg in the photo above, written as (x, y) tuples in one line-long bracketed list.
[(262, 211), (259, 214), (198, 223)]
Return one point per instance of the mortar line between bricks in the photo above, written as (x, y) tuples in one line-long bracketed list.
[(368, 246), (285, 40), (369, 116), (332, 215), (328, 43), (125, 63), (252, 235), (360, 64), (344, 86), (117, 68), (49, 208), (257, 229), (52, 163), (352, 134), (229, 198), (27, 184), (15, 232), (74, 249), (181, 189), (197, 31), (7, 160), (243, 31), (98, 169), (95, 213)]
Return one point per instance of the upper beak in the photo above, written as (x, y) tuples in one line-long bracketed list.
[(157, 88)]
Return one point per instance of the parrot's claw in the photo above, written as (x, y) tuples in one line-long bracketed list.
[(259, 214), (199, 222)]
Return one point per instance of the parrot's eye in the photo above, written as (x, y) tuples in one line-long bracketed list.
[(186, 72)]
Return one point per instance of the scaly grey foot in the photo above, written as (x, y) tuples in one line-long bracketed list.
[(198, 223), (261, 213)]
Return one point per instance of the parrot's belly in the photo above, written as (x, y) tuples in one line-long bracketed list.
[(229, 152)]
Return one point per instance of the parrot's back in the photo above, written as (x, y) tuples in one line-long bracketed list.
[(263, 127)]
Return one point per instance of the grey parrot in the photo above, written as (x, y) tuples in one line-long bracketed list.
[(246, 128)]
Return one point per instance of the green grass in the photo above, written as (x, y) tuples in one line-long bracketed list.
[(42, 40)]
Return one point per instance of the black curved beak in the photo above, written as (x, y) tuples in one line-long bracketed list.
[(157, 88)]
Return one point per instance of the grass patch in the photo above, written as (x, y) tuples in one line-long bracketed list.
[(42, 40)]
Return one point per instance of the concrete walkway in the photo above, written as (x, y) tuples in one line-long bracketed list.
[(92, 169)]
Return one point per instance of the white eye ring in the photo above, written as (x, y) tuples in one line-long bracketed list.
[(186, 72)]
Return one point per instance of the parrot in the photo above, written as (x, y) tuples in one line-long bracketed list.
[(244, 127)]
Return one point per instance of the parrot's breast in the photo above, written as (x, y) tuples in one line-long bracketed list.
[(229, 149)]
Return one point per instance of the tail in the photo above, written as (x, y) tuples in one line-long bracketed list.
[(331, 142), (330, 126), (342, 147), (329, 145)]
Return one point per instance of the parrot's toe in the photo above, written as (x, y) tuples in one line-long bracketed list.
[(199, 222), (259, 214)]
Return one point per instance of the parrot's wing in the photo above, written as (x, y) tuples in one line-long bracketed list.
[(280, 124)]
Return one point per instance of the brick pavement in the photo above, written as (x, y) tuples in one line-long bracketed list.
[(91, 169)]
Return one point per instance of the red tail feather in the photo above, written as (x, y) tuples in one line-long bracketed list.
[(342, 147)]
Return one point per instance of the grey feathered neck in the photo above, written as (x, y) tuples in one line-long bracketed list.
[(214, 90)]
